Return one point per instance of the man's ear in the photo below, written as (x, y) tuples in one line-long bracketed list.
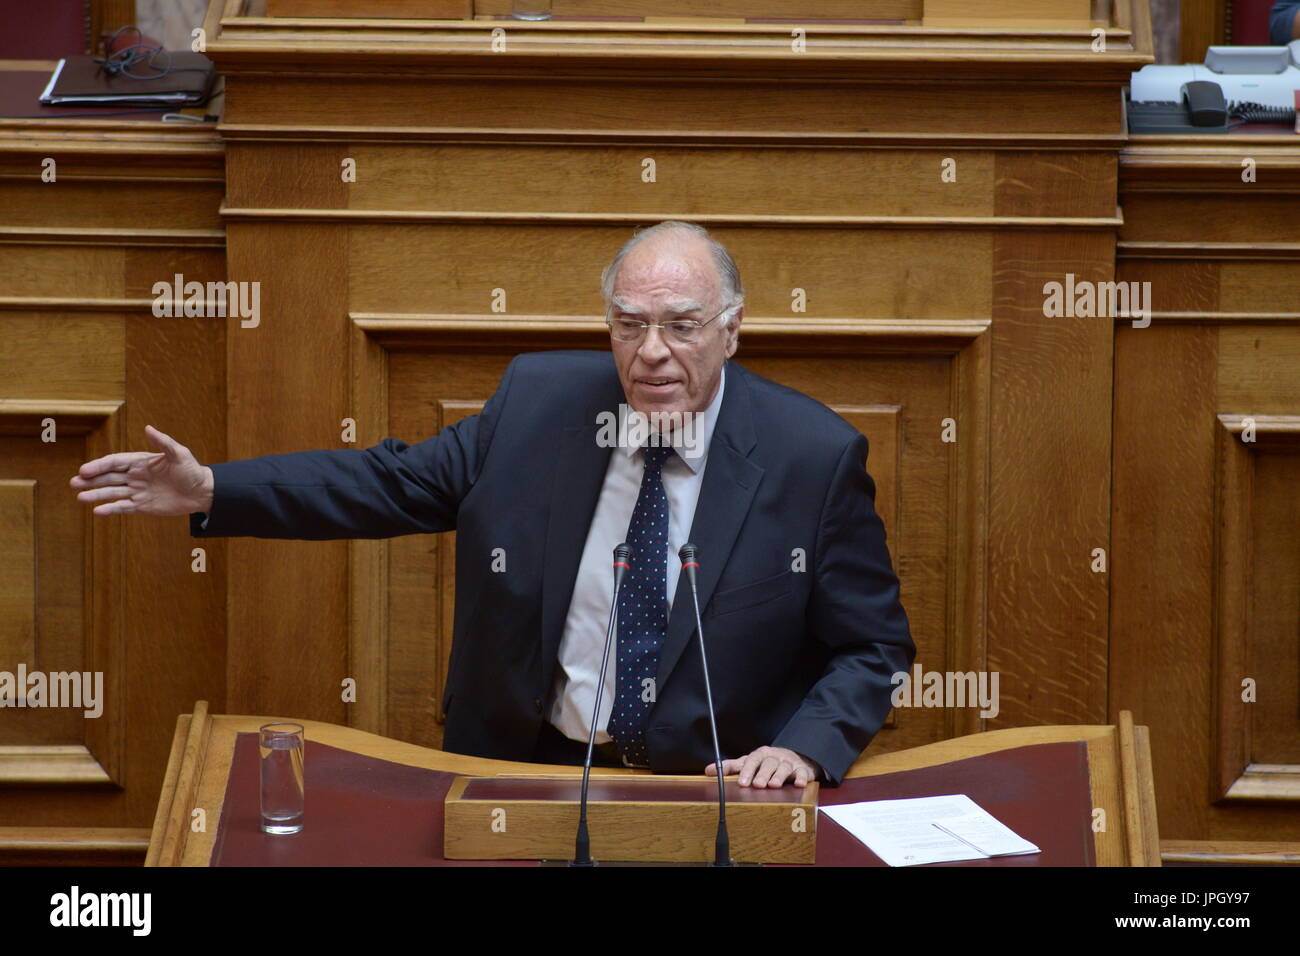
[(733, 332)]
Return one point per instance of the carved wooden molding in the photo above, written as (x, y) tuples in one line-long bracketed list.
[(506, 136), (462, 331), (497, 218), (978, 47), (179, 794), (1272, 251), (1219, 318), (1231, 852), (73, 846), (99, 760), (112, 236), (1236, 777)]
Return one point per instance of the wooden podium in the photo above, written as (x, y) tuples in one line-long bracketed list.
[(212, 755)]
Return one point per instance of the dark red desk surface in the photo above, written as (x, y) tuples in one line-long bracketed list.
[(362, 811)]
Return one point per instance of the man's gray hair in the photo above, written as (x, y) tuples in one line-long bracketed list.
[(733, 293)]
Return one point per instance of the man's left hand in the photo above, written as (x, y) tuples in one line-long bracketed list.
[(769, 767)]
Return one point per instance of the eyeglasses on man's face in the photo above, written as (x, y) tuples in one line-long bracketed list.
[(624, 328)]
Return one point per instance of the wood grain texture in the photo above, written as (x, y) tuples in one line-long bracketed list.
[(1162, 563), (1275, 638), (73, 846), (18, 582), (1257, 760), (635, 829), (896, 273), (753, 106), (792, 9), (431, 9), (1229, 853), (1057, 183), (1016, 10), (686, 181), (77, 627), (174, 615), (287, 638), (1044, 49), (1048, 620), (1187, 515), (134, 202)]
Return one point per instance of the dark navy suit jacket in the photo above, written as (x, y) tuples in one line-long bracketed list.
[(1280, 20), (798, 658)]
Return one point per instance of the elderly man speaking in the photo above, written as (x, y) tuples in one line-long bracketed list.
[(799, 602)]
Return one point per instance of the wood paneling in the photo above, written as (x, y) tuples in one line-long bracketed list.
[(1203, 591), (547, 270), (134, 203), (547, 178), (479, 172), (522, 171), (791, 9), (18, 582), (1048, 621), (289, 390)]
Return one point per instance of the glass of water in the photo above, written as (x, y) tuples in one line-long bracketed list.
[(532, 10), (281, 748)]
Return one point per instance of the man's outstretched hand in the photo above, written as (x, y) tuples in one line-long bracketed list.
[(769, 767), (167, 482)]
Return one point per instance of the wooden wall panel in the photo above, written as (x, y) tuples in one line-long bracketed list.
[(1275, 610), (486, 177), (545, 270), (520, 171), (1203, 585), (18, 583), (55, 355), (1049, 490), (428, 392), (288, 391), (134, 203), (546, 178), (1162, 557), (749, 106)]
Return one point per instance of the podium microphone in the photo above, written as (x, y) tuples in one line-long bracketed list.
[(582, 845), (722, 851)]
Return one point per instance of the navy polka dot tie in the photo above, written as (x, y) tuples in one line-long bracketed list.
[(642, 612)]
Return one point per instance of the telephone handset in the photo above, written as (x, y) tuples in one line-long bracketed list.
[(1204, 103)]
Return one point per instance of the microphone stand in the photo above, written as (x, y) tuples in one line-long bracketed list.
[(722, 847), (582, 843)]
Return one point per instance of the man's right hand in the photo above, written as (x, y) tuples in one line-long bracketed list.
[(167, 482)]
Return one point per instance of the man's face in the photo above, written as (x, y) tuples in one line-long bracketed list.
[(660, 281)]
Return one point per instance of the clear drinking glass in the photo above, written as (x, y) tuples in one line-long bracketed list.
[(282, 749), (532, 10)]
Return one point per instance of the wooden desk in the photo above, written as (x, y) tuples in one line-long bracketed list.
[(199, 767)]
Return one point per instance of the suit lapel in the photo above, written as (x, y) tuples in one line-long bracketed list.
[(730, 482), (579, 475)]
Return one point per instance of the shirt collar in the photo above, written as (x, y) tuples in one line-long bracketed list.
[(695, 455)]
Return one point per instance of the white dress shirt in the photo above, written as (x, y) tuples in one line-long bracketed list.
[(583, 641)]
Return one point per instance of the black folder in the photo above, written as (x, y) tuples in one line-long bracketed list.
[(80, 81)]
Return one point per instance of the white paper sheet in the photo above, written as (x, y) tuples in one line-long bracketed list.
[(929, 830)]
